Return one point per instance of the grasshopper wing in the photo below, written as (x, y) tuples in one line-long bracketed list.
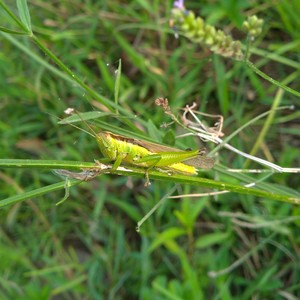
[(200, 161), (156, 148)]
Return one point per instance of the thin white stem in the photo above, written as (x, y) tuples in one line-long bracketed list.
[(206, 134)]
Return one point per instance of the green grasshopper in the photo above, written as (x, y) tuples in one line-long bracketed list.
[(120, 149)]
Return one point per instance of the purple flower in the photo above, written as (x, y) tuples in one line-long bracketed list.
[(179, 4)]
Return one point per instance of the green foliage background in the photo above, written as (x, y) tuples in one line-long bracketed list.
[(226, 247)]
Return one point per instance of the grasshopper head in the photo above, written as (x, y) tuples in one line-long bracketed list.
[(106, 144)]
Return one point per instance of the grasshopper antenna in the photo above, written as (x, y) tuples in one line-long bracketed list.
[(63, 121), (71, 111)]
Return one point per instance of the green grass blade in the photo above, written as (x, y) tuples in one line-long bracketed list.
[(3, 29), (37, 192), (117, 86), (153, 174), (90, 115), (45, 164), (24, 14), (273, 81), (37, 58), (15, 18)]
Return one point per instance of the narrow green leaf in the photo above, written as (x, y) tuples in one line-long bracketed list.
[(15, 18), (169, 234), (137, 59), (129, 209), (24, 13), (211, 239), (271, 80), (37, 192), (197, 209), (35, 57), (45, 164), (222, 85), (154, 133), (117, 85), (153, 174), (169, 138), (69, 285), (90, 115), (105, 74), (165, 292), (12, 31)]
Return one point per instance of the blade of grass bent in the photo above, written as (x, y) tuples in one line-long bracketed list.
[(153, 174), (38, 192)]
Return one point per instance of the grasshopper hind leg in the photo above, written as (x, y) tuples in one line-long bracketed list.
[(148, 182), (152, 160)]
